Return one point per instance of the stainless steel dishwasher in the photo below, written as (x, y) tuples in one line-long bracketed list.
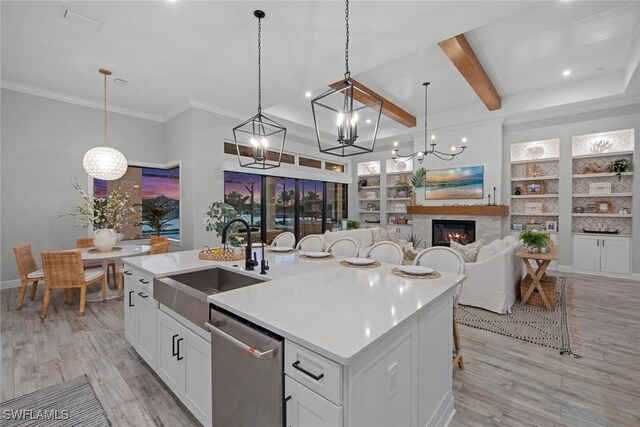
[(247, 372)]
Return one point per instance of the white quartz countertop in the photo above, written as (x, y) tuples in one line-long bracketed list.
[(331, 309)]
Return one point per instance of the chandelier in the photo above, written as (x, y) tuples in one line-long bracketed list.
[(259, 133), (104, 162), (420, 155), (346, 117)]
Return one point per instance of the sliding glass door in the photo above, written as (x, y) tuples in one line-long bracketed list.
[(310, 196), (336, 205), (281, 207)]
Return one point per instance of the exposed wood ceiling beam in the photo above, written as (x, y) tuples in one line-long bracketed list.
[(389, 109), (460, 53)]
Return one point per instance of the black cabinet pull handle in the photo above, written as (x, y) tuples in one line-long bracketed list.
[(178, 351), (296, 365), (130, 305), (288, 398), (146, 282), (128, 273), (143, 296), (173, 345)]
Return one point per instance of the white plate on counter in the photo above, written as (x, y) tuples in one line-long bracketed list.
[(416, 270), (360, 261), (317, 254), (280, 249)]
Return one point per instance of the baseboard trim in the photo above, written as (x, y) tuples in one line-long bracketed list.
[(9, 284)]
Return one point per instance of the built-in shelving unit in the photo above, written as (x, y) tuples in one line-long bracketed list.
[(369, 175), (601, 200), (397, 198), (535, 184)]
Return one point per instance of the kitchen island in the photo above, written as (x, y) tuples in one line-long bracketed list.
[(378, 346)]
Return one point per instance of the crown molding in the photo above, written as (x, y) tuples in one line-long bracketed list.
[(17, 87), (570, 109)]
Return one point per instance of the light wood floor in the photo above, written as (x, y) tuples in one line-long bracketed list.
[(506, 381)]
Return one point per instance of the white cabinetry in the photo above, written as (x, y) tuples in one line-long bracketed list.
[(306, 408), (184, 364), (605, 254), (140, 315)]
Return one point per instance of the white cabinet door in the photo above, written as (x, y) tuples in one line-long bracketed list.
[(615, 255), (147, 308), (586, 253), (169, 366), (197, 378), (306, 408), (130, 310)]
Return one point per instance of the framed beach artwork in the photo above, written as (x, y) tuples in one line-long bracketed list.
[(455, 183)]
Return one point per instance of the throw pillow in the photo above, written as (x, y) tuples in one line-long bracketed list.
[(381, 235), (469, 252)]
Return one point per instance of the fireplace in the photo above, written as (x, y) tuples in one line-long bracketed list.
[(445, 230)]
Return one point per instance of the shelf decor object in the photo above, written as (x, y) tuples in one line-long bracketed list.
[(350, 112), (431, 149), (260, 132), (105, 162)]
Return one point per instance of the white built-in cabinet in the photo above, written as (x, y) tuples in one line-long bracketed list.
[(172, 346), (604, 254)]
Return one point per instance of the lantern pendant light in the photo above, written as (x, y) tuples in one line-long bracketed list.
[(420, 155), (259, 138), (346, 117), (104, 162)]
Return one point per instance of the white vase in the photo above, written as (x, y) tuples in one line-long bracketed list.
[(104, 239)]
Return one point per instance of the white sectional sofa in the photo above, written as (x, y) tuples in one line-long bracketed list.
[(493, 280)]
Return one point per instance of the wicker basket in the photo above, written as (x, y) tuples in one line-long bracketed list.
[(548, 286), (220, 254)]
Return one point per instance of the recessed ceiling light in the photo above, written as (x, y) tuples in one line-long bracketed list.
[(368, 121), (566, 73), (307, 94)]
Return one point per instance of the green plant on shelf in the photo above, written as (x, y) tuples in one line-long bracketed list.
[(402, 189), (618, 167), (352, 224), (362, 182)]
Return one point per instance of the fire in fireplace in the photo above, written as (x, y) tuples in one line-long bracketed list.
[(443, 231)]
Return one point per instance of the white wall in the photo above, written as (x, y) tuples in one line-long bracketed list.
[(484, 148), (43, 142), (564, 127)]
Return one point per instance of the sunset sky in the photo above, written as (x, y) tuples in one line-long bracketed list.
[(155, 182)]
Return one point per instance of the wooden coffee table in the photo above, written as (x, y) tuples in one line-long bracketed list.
[(542, 261)]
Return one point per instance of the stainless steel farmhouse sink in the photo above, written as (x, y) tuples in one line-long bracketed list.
[(186, 293)]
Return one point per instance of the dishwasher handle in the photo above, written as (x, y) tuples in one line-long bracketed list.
[(260, 355)]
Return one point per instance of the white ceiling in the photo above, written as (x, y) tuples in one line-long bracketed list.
[(173, 52)]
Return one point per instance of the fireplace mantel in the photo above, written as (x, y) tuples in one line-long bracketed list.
[(492, 210)]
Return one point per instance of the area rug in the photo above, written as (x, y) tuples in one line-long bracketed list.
[(70, 403), (550, 328)]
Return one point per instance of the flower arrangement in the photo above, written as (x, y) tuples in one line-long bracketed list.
[(115, 211)]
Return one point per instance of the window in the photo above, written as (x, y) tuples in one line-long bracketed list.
[(243, 191), (157, 192), (311, 209), (281, 215), (336, 204)]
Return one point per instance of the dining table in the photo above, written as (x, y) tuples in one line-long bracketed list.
[(92, 256)]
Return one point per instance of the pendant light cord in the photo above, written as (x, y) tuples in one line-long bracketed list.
[(347, 73), (259, 65), (105, 110), (426, 90)]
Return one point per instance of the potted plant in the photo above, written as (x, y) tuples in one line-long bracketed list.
[(154, 213), (517, 191), (618, 167), (534, 241), (218, 214), (107, 216), (352, 224), (402, 189), (362, 182)]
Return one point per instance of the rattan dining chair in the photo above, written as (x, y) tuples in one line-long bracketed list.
[(154, 240), (29, 272), (64, 270), (87, 242), (443, 258)]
